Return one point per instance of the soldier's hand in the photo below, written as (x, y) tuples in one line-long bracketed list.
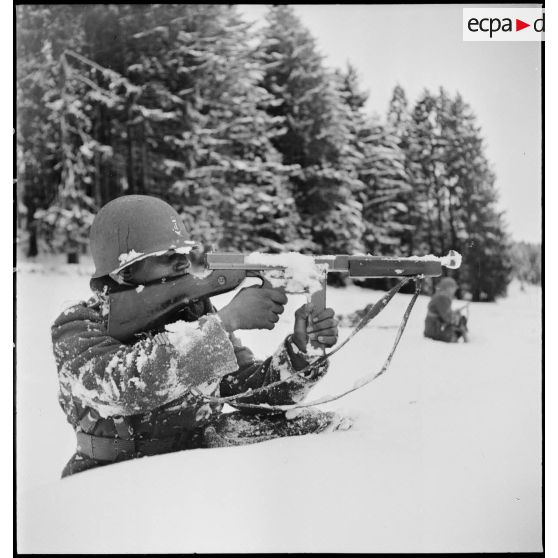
[(320, 328), (253, 308)]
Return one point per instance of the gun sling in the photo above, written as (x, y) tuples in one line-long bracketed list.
[(110, 449)]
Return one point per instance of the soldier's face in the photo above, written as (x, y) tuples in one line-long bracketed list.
[(167, 266)]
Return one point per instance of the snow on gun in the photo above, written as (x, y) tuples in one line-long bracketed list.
[(299, 273)]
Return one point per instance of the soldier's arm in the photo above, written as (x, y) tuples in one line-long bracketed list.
[(282, 365), (118, 379)]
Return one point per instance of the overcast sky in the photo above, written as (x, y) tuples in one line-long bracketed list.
[(421, 46)]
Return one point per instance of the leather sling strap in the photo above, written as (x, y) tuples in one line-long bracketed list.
[(110, 449)]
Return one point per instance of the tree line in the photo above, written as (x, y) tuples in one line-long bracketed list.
[(247, 133)]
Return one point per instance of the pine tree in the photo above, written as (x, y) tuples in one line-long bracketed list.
[(53, 131), (386, 204), (398, 117), (485, 245), (421, 155), (66, 222), (380, 166), (317, 135), (379, 163), (35, 71), (527, 263), (211, 154), (455, 196), (156, 99), (398, 124)]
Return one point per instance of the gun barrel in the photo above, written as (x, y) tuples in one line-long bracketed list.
[(377, 266)]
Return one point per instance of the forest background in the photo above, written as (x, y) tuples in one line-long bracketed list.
[(251, 137)]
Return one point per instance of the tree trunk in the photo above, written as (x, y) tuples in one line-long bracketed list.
[(440, 209), (143, 181), (32, 248), (98, 166), (130, 156), (455, 244)]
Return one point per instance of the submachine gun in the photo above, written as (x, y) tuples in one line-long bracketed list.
[(150, 306)]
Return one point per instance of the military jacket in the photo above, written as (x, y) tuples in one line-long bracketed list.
[(151, 388), (437, 324)]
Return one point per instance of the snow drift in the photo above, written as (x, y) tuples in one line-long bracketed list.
[(444, 456)]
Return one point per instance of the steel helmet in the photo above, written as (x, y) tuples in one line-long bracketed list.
[(131, 228)]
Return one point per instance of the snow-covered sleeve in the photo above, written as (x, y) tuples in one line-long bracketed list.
[(118, 379), (282, 365)]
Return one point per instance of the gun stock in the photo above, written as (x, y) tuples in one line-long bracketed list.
[(137, 310)]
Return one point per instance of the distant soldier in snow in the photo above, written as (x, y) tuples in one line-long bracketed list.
[(442, 323), (130, 400)]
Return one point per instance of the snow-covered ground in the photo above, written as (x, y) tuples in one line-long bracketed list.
[(444, 455)]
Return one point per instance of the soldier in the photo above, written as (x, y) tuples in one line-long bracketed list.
[(130, 400), (442, 323)]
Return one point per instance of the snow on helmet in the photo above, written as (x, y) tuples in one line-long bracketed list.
[(131, 228)]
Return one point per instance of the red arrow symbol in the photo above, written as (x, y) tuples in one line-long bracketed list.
[(519, 25)]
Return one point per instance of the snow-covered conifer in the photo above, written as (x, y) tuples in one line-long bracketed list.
[(316, 135)]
